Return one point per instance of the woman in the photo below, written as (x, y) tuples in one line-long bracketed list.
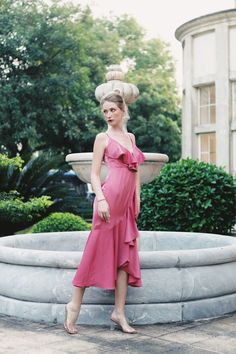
[(110, 259)]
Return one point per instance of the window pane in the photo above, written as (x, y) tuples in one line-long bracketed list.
[(207, 109), (204, 96), (213, 158), (212, 114), (204, 115), (204, 143), (212, 148), (212, 142), (212, 95), (204, 157), (208, 147)]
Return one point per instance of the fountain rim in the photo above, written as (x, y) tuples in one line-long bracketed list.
[(87, 156), (148, 259)]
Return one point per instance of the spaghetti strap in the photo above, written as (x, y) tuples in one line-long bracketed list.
[(132, 142), (110, 137)]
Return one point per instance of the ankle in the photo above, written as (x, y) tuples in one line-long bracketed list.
[(118, 312), (73, 307)]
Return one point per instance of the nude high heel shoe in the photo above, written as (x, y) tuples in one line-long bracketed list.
[(72, 315)]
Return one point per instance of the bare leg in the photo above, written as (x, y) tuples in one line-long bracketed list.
[(118, 314), (73, 309)]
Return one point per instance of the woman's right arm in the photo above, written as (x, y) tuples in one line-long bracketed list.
[(98, 152)]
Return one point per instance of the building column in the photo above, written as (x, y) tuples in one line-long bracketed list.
[(222, 97), (187, 129)]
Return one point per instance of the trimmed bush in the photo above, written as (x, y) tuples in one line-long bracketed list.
[(11, 195), (189, 196), (61, 222), (16, 214)]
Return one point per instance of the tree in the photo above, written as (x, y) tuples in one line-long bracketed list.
[(47, 83), (52, 58)]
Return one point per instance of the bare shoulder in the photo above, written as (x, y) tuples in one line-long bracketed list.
[(101, 138), (132, 136)]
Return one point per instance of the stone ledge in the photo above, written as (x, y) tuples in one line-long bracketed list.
[(137, 314)]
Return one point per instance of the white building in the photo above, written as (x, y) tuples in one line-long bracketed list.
[(209, 89)]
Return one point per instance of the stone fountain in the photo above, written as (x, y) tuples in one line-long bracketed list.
[(186, 276)]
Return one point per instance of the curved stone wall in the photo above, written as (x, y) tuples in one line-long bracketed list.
[(186, 276)]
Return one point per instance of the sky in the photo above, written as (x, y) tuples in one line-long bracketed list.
[(159, 18)]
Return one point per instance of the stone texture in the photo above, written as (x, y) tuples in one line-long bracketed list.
[(19, 336), (208, 308), (186, 276), (137, 314)]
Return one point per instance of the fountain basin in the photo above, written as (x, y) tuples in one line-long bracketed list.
[(186, 276), (81, 164)]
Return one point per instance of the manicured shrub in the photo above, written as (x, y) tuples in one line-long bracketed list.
[(189, 196), (11, 195), (16, 214), (61, 222)]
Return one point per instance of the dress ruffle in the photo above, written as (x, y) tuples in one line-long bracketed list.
[(131, 159), (99, 268)]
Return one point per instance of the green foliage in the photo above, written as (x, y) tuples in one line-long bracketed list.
[(5, 161), (9, 171), (52, 59), (16, 214), (47, 84), (40, 177), (189, 196), (57, 222), (11, 195), (33, 178)]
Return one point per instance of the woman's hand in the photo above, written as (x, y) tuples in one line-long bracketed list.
[(137, 207), (103, 210)]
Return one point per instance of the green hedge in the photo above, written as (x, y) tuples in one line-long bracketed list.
[(16, 214), (189, 196), (11, 195), (61, 222)]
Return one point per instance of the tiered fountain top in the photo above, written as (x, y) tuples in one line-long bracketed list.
[(115, 77)]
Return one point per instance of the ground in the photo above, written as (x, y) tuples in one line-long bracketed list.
[(19, 336)]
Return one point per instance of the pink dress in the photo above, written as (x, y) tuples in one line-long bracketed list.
[(113, 245)]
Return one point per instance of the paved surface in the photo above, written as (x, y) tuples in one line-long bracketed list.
[(19, 336)]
